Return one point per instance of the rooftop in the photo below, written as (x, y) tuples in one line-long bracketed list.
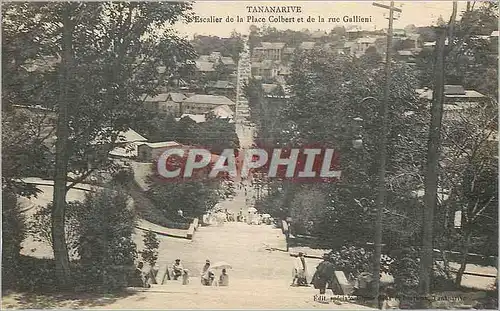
[(161, 144), (220, 84), (204, 66), (209, 99), (227, 60), (198, 118), (223, 112), (307, 45), (176, 97), (368, 40), (318, 34), (405, 53), (451, 91), (268, 88), (271, 46), (130, 136)]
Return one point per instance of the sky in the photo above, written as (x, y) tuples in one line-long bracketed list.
[(419, 13)]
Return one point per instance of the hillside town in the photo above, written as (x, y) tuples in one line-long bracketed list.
[(92, 110)]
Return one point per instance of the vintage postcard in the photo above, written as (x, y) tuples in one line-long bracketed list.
[(250, 155)]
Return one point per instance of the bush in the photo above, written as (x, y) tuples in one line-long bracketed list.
[(151, 245), (352, 260), (105, 246), (13, 234), (405, 270)]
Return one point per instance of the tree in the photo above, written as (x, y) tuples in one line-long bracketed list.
[(327, 93), (105, 246), (113, 41), (151, 245), (469, 165)]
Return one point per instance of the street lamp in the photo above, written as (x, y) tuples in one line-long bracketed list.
[(357, 142), (380, 205)]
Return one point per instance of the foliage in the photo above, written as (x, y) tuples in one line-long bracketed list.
[(13, 234), (40, 225), (471, 60), (23, 153), (352, 260), (151, 244), (103, 58), (105, 246), (193, 197), (328, 92), (405, 270), (115, 98), (232, 46)]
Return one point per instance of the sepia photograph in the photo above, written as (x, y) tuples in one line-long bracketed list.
[(249, 155)]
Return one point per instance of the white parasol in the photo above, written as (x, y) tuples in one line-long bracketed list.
[(252, 210), (221, 265), (266, 216)]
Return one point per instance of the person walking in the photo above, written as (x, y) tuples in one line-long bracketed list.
[(300, 271), (323, 277)]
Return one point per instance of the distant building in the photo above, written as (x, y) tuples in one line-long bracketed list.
[(204, 67), (224, 88), (407, 56), (318, 35), (228, 62), (149, 152), (269, 51), (127, 144), (362, 44), (198, 118), (201, 104), (221, 112), (266, 69), (456, 101), (353, 33), (169, 103), (308, 45)]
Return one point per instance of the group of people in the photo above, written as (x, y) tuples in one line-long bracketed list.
[(176, 271), (208, 276)]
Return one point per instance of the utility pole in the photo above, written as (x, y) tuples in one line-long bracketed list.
[(383, 153), (433, 153)]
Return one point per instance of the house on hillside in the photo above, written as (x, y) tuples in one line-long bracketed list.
[(272, 51), (168, 103), (221, 112), (224, 88), (228, 62), (353, 33), (457, 100), (127, 144), (149, 152), (307, 46), (362, 44), (197, 118), (319, 35), (406, 56), (201, 104), (266, 69), (204, 69)]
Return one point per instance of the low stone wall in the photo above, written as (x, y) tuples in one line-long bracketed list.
[(192, 228)]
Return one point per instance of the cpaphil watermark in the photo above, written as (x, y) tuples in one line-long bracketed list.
[(297, 164)]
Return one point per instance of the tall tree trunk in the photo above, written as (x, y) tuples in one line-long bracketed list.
[(431, 176), (61, 160), (463, 261)]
